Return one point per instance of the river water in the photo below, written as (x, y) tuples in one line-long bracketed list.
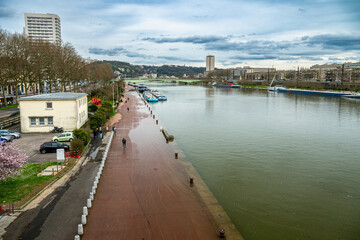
[(283, 166)]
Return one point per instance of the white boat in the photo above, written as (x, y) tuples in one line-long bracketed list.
[(275, 88), (270, 88)]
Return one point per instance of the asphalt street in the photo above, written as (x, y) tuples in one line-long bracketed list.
[(57, 215)]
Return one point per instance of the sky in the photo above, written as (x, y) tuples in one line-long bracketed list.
[(285, 34)]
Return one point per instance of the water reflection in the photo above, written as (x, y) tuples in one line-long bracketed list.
[(280, 164)]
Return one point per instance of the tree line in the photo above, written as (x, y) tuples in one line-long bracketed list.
[(43, 67)]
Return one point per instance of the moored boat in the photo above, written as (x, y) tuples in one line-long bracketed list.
[(149, 97), (156, 94), (226, 85)]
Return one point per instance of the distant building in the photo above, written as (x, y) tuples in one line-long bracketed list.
[(335, 66), (247, 71), (43, 26), (40, 113), (210, 63)]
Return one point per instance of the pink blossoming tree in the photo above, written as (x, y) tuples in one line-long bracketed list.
[(11, 160)]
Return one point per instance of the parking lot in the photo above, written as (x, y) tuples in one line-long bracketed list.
[(30, 144)]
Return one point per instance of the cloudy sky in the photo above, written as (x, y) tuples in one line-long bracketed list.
[(281, 33)]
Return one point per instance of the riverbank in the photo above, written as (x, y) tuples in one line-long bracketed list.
[(144, 191)]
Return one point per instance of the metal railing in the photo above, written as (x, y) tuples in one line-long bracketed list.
[(9, 122)]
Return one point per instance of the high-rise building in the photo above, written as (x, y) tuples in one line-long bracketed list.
[(43, 26), (210, 63)]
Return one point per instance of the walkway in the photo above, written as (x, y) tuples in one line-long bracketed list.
[(144, 193)]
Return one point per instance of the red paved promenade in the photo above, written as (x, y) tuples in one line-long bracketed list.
[(144, 192)]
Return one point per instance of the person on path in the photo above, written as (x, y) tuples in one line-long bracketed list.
[(128, 109), (124, 143), (114, 130), (101, 134)]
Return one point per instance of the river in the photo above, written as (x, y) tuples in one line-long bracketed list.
[(283, 166)]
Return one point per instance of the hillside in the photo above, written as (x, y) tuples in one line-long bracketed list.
[(128, 70)]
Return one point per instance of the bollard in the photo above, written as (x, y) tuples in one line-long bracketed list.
[(176, 155), (77, 237), (91, 196), (157, 122), (88, 203), (80, 229), (222, 233), (151, 111), (191, 180), (154, 116), (83, 219), (85, 211)]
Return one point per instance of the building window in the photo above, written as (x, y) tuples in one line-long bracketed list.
[(41, 121), (32, 121), (50, 121), (49, 105)]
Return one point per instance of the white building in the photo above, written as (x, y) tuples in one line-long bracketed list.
[(40, 113), (43, 26)]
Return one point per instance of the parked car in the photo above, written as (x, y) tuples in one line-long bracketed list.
[(18, 91), (12, 133), (64, 137), (52, 146), (6, 136)]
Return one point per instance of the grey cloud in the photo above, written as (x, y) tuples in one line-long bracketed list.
[(338, 42), (254, 57), (137, 55), (171, 58), (108, 52), (6, 12), (301, 10), (193, 39), (116, 52), (173, 49), (259, 46)]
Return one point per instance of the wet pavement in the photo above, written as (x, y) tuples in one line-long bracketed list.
[(144, 192)]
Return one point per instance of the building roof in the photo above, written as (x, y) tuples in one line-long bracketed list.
[(55, 96)]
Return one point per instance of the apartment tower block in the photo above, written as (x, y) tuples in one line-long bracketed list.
[(43, 26), (210, 63)]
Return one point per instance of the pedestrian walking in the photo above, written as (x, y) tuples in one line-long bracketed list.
[(124, 143), (128, 98), (114, 130), (101, 134), (94, 132), (128, 109), (97, 132)]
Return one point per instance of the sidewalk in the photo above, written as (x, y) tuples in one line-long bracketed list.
[(144, 192)]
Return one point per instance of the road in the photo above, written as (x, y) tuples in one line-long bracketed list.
[(57, 215), (7, 112)]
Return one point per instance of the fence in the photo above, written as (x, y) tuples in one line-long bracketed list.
[(9, 122)]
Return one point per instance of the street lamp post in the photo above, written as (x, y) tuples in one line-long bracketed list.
[(113, 94)]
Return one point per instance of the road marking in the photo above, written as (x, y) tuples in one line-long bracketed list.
[(52, 198)]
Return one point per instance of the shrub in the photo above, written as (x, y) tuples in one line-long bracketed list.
[(107, 105), (77, 145), (92, 108), (97, 120), (82, 134)]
